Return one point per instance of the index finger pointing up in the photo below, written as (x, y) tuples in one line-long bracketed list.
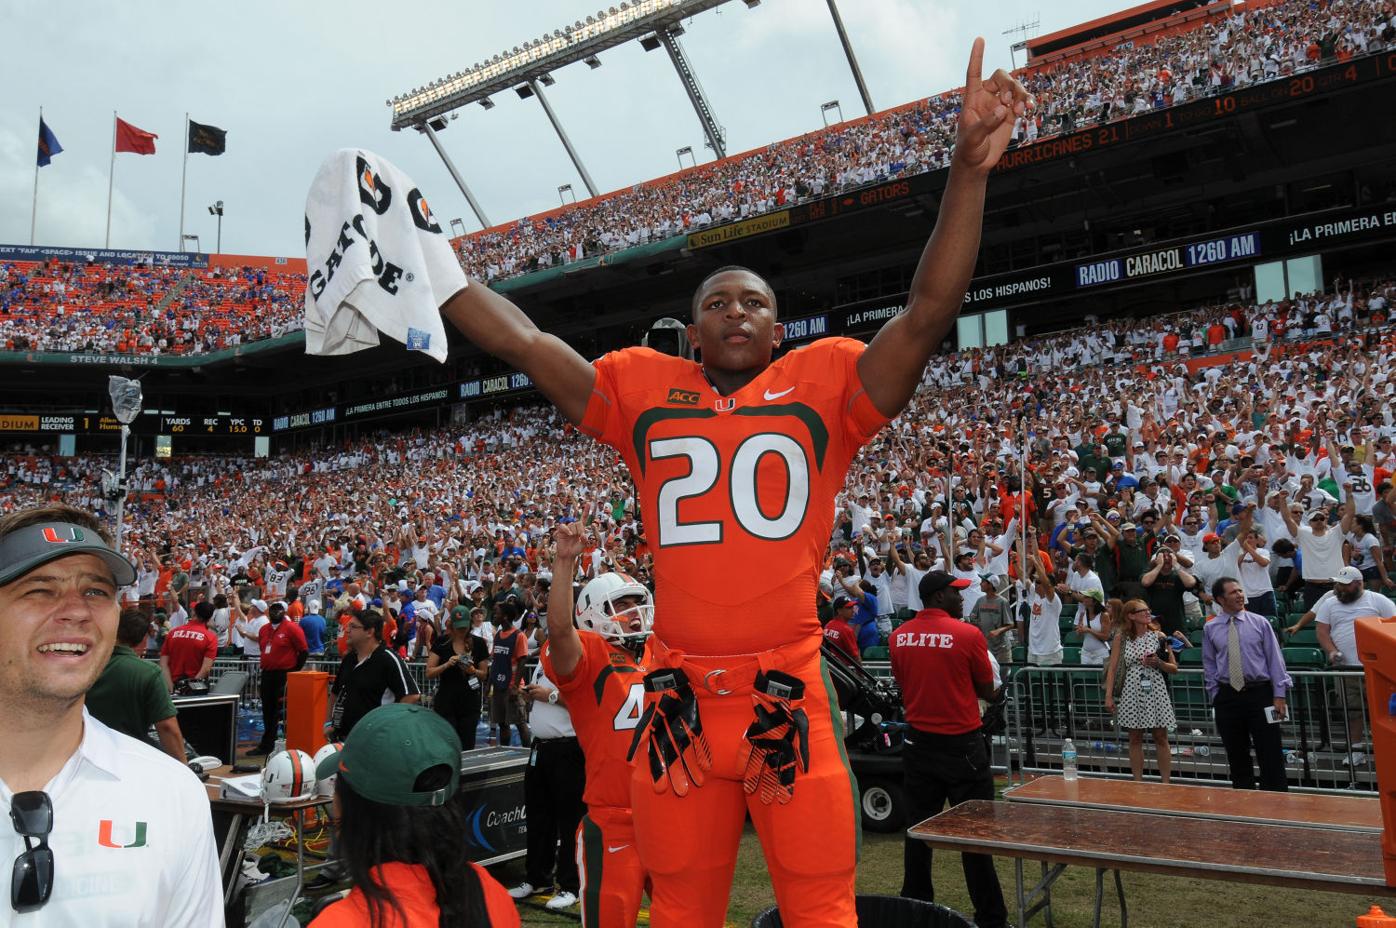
[(976, 65)]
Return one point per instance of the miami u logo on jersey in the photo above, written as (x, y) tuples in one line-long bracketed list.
[(724, 404)]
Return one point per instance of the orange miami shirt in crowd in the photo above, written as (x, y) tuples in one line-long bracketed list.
[(737, 492)]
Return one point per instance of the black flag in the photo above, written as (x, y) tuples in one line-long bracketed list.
[(206, 140)]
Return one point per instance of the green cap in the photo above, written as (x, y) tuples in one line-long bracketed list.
[(460, 617), (35, 545), (389, 748)]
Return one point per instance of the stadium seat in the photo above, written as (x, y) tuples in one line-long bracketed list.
[(1069, 611), (1305, 637), (1020, 654), (1190, 657), (1071, 655), (1304, 658), (876, 652)]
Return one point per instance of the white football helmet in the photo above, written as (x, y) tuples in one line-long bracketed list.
[(325, 787), (288, 776), (597, 610)]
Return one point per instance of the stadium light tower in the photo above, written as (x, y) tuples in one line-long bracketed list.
[(565, 190), (1022, 29), (655, 22), (686, 150), (824, 109), (430, 128), (852, 59), (217, 210), (534, 88), (191, 237)]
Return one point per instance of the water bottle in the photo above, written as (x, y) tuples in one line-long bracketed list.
[(1069, 771)]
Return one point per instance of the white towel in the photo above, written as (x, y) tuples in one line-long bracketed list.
[(378, 260)]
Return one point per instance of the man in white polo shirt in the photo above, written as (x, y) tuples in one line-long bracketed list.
[(103, 830), (1335, 616)]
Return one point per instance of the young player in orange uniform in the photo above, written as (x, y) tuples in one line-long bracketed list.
[(598, 673), (738, 461)]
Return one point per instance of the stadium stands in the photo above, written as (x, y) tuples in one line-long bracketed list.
[(55, 306), (504, 480), (1254, 43), (118, 309)]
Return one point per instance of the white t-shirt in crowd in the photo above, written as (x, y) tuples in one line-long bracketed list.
[(913, 587), (1340, 618), (1255, 580), (1044, 631), (1323, 555), (1093, 650)]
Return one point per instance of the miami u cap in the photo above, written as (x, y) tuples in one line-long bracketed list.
[(389, 749), (35, 545)]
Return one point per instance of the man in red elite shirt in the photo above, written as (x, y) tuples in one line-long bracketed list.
[(942, 665), (839, 633), (283, 649), (189, 650)]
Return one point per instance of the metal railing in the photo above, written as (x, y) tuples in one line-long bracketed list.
[(1326, 737), (251, 687)]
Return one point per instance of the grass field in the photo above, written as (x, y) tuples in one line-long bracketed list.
[(1154, 901)]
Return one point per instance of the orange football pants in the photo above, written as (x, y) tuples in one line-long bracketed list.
[(608, 861), (689, 844)]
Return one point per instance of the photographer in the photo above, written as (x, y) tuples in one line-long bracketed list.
[(461, 662), (1165, 584)]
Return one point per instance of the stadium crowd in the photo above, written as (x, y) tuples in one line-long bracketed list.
[(1218, 55), (153, 310), (140, 309), (1122, 436)]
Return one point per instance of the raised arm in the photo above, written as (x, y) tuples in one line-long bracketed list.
[(564, 644), (497, 326), (892, 366)]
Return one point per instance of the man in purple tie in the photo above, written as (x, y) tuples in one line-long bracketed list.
[(1244, 670)]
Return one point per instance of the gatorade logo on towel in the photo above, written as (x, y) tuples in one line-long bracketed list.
[(372, 191), (421, 213)]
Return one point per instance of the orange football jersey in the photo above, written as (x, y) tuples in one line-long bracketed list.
[(737, 492), (605, 696)]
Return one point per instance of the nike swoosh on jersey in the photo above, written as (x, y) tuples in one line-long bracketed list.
[(775, 396), (618, 847)]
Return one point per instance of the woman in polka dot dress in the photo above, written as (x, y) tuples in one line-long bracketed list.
[(1144, 704)]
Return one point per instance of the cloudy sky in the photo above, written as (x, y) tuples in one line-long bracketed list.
[(293, 81)]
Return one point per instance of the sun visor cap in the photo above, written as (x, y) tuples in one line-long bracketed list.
[(35, 545)]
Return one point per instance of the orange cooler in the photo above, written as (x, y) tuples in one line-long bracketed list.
[(307, 700), (1376, 643)]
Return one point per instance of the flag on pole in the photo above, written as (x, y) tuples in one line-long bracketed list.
[(129, 138), (48, 144), (206, 140)]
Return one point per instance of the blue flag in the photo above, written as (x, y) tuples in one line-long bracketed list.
[(48, 143)]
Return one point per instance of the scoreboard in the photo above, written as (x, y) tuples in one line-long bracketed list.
[(97, 424), (211, 425)]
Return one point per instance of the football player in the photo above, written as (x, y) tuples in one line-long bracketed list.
[(598, 674), (737, 459)]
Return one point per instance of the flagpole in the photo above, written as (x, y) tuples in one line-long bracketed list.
[(184, 176), (34, 210), (111, 171)]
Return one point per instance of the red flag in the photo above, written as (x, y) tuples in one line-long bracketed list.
[(129, 138)]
